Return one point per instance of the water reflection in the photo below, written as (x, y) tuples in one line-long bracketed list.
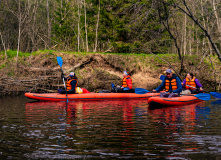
[(189, 130), (86, 125), (110, 129), (216, 103), (176, 122)]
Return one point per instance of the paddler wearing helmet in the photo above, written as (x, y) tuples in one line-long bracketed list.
[(71, 83)]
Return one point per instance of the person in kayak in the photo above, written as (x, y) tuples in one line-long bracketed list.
[(192, 84), (126, 86), (172, 85), (71, 84)]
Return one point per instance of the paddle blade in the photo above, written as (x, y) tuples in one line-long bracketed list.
[(216, 94), (203, 96), (60, 62), (141, 91)]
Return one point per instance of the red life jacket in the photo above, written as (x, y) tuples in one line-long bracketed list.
[(68, 85), (127, 82), (191, 83)]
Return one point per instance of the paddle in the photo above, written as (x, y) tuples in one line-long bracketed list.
[(214, 94), (203, 96), (60, 62), (141, 91)]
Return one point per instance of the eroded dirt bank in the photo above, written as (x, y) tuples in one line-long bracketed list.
[(41, 72)]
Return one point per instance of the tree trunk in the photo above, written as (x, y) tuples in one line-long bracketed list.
[(217, 18), (19, 29), (190, 43), (33, 26), (209, 44), (79, 17), (197, 45), (96, 39), (204, 24), (3, 43), (184, 36), (85, 15), (49, 25)]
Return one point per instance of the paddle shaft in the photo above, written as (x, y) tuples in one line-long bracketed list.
[(63, 79), (191, 86), (60, 62), (214, 94), (64, 85)]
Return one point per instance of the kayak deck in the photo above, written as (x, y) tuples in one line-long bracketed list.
[(158, 102), (87, 96)]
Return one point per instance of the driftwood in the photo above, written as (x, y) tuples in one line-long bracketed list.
[(50, 84), (79, 65), (94, 58)]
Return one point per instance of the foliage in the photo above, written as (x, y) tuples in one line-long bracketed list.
[(63, 24)]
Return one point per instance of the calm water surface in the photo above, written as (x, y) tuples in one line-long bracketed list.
[(108, 130)]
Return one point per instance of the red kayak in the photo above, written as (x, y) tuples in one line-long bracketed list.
[(88, 96), (157, 102)]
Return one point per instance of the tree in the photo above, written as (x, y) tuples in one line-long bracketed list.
[(3, 43), (85, 23), (21, 15), (63, 25), (49, 24), (164, 15), (190, 14), (97, 25)]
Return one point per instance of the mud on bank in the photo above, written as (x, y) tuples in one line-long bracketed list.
[(41, 72)]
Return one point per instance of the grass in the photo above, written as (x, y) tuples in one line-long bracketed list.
[(124, 59), (50, 52), (13, 53)]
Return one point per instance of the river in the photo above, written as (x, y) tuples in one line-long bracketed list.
[(124, 129)]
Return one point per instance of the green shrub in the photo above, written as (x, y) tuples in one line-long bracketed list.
[(2, 66)]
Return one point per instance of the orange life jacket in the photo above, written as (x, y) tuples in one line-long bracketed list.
[(68, 85), (172, 83), (124, 82), (191, 83)]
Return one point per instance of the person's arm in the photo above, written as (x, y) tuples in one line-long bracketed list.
[(179, 86), (198, 84), (62, 76), (129, 83), (184, 83), (161, 86)]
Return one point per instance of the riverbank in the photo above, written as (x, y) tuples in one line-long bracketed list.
[(40, 72)]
